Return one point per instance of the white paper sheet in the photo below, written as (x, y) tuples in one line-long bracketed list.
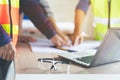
[(44, 46)]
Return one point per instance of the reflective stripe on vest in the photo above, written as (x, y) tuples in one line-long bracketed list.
[(104, 21), (100, 11), (7, 28), (15, 3), (5, 17)]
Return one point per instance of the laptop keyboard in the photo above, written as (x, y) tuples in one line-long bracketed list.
[(86, 59)]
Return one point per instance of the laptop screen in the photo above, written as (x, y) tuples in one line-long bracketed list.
[(109, 50)]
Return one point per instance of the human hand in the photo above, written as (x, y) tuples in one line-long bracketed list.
[(63, 36), (8, 51), (76, 39), (58, 41)]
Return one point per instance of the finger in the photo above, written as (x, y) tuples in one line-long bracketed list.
[(1, 53), (12, 57), (75, 41), (10, 54), (14, 54), (66, 43), (80, 40), (4, 55), (71, 38), (59, 44), (8, 57), (66, 38)]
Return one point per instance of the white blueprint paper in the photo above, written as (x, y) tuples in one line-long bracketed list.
[(44, 46)]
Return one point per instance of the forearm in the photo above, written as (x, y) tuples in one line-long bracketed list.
[(33, 10), (52, 20), (79, 17), (80, 12), (47, 11), (83, 5)]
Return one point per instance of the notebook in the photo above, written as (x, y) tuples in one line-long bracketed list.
[(107, 52)]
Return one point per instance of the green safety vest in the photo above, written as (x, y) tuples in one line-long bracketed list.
[(100, 11)]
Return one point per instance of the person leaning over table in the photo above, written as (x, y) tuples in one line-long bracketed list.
[(47, 11), (100, 12), (9, 13), (32, 9)]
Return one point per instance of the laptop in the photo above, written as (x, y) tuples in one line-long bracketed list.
[(107, 52)]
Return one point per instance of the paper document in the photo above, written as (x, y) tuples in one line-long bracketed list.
[(44, 46)]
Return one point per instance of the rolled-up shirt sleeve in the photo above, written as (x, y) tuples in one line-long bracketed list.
[(34, 12), (4, 38), (46, 7), (83, 5)]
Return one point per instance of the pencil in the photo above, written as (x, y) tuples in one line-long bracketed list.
[(61, 48)]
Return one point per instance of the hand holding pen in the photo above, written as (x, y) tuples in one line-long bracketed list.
[(58, 41)]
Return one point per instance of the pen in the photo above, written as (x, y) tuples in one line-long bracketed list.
[(61, 48)]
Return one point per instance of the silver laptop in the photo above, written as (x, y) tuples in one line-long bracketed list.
[(107, 52)]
